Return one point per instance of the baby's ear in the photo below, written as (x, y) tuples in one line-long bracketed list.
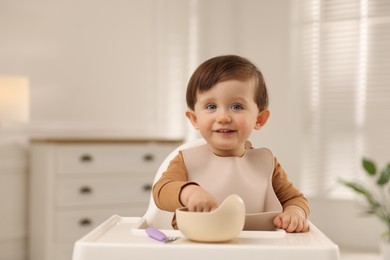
[(191, 115), (262, 118)]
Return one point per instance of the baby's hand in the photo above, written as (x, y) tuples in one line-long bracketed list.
[(292, 219), (197, 199)]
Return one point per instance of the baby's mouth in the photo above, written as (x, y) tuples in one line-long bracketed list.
[(225, 131)]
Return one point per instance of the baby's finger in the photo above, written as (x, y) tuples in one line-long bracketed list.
[(306, 226), (205, 208), (277, 222), (299, 227), (285, 222), (292, 226), (191, 207)]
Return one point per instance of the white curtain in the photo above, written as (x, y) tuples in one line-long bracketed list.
[(344, 68)]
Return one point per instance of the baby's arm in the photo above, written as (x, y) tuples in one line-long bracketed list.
[(295, 205), (195, 198), (292, 219), (166, 191), (173, 190)]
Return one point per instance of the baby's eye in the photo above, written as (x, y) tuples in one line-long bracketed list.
[(236, 107), (211, 106)]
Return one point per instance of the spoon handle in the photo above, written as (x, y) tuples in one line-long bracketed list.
[(156, 234)]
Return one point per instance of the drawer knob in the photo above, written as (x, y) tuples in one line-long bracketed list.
[(148, 157), (147, 187), (86, 158), (85, 190), (85, 222)]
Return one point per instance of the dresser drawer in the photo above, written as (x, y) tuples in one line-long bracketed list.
[(70, 225), (100, 191), (98, 158)]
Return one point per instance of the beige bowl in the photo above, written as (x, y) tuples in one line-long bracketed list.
[(219, 225)]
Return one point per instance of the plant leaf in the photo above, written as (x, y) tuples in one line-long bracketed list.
[(385, 176), (369, 166), (358, 188)]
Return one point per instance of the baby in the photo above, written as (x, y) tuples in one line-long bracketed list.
[(227, 99)]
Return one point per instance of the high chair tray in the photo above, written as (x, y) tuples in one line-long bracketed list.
[(139, 230), (120, 238)]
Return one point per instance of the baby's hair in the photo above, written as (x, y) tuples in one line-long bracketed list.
[(223, 68)]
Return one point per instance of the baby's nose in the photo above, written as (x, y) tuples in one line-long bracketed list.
[(223, 117)]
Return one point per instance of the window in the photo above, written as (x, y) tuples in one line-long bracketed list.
[(345, 72)]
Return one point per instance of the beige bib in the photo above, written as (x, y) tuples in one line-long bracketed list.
[(249, 176)]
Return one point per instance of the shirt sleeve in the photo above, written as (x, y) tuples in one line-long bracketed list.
[(166, 191), (286, 192)]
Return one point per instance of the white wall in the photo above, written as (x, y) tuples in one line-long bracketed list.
[(344, 222), (124, 65), (113, 64), (96, 63)]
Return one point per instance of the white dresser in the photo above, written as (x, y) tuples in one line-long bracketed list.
[(76, 185)]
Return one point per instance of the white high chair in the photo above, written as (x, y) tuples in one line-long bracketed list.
[(154, 216), (114, 239)]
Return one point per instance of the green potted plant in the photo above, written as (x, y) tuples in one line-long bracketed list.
[(376, 192)]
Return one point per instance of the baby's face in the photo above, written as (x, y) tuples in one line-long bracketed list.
[(226, 115)]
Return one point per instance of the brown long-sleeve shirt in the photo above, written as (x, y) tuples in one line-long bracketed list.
[(166, 191)]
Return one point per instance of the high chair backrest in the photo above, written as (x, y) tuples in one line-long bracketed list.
[(154, 216)]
